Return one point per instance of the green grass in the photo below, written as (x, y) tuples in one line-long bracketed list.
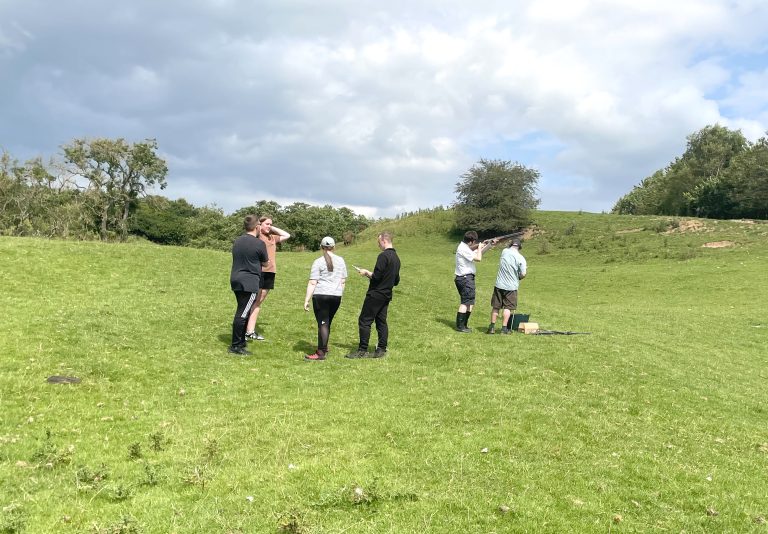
[(654, 422)]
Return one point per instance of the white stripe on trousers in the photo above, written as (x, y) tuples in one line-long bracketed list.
[(248, 306)]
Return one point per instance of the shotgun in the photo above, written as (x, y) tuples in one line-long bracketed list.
[(559, 333), (488, 243)]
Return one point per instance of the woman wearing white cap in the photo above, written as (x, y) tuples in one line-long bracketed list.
[(326, 286)]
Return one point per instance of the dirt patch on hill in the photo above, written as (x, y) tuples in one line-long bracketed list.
[(529, 233), (688, 225), (719, 244), (630, 231)]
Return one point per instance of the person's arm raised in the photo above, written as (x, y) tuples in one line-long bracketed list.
[(282, 235)]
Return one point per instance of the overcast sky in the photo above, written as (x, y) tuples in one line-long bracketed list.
[(381, 106)]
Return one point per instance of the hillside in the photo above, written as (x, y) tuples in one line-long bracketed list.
[(654, 421)]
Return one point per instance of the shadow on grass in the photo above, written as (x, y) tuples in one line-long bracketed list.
[(304, 347), (336, 349), (447, 322), (226, 337)]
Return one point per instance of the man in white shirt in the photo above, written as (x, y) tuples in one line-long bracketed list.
[(467, 254)]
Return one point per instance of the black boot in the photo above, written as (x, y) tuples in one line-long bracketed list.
[(462, 326)]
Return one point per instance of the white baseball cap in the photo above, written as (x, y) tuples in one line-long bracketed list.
[(327, 242)]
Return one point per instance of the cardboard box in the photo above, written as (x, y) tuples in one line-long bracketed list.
[(528, 328)]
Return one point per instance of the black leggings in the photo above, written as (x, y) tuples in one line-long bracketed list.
[(325, 307)]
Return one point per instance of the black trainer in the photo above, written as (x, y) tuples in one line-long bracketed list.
[(358, 354), (379, 353), (505, 330), (464, 330), (491, 330), (240, 351)]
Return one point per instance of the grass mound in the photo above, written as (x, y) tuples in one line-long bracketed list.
[(654, 422)]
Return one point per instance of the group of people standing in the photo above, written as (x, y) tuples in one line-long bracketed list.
[(253, 263), (512, 269), (254, 270)]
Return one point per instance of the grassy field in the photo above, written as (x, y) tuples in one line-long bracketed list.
[(654, 422)]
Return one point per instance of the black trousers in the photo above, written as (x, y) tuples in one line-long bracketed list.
[(374, 309), (325, 307), (245, 300)]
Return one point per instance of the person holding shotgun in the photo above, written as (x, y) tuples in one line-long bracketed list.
[(468, 252), (512, 269), (327, 278)]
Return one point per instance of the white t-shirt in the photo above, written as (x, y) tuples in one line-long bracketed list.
[(465, 263), (329, 283)]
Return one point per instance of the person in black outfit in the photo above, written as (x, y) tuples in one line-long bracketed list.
[(249, 254), (384, 277)]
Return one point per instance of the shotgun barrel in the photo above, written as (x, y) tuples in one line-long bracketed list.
[(488, 243)]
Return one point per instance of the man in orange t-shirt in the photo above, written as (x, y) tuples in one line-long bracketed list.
[(271, 236)]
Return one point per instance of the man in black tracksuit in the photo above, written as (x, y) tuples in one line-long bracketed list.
[(384, 277), (249, 254)]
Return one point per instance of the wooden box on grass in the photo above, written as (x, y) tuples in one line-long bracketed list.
[(528, 328)]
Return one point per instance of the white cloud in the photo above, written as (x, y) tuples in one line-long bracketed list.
[(383, 106)]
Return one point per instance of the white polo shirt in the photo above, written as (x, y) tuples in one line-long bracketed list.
[(465, 263)]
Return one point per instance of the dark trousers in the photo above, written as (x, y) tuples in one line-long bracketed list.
[(245, 300), (374, 309), (325, 307)]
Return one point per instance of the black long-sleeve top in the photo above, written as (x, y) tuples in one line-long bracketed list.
[(386, 274)]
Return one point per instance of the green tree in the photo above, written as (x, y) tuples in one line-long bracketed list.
[(210, 228), (40, 199), (163, 221), (118, 174), (748, 180), (496, 196), (694, 183), (644, 199), (711, 198), (707, 156), (265, 208)]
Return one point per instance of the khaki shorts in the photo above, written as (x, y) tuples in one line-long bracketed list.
[(503, 299)]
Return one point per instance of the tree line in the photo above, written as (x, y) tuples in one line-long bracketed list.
[(721, 175), (177, 222), (104, 189)]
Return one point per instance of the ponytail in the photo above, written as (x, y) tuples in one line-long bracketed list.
[(328, 260)]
